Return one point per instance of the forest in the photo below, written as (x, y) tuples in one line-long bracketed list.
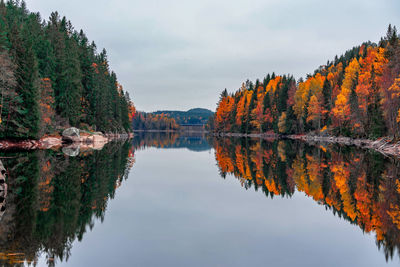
[(52, 77), (170, 120), (192, 116), (143, 121), (355, 95)]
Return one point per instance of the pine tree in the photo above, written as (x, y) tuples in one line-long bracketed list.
[(26, 119), (377, 126)]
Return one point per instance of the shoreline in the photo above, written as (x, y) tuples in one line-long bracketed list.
[(94, 141), (383, 145)]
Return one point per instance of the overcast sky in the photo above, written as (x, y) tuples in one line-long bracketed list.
[(181, 54)]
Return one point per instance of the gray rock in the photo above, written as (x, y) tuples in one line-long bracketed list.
[(71, 132), (71, 151)]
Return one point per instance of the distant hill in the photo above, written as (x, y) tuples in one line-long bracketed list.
[(192, 116)]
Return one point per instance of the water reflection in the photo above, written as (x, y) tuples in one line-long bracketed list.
[(48, 199), (53, 199), (361, 187), (193, 141)]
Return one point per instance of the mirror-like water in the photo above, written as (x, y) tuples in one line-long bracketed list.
[(169, 200)]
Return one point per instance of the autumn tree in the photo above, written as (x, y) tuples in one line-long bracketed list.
[(315, 112), (46, 105), (282, 125), (258, 117)]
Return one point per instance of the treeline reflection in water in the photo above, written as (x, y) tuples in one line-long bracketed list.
[(363, 187), (195, 141), (48, 199), (53, 199)]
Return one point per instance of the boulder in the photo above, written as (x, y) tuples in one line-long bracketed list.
[(71, 135), (71, 151), (71, 132)]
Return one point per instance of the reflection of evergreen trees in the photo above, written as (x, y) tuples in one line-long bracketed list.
[(54, 199), (361, 187)]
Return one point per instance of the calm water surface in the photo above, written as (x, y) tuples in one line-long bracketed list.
[(164, 200)]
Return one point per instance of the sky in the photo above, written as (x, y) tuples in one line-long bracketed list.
[(181, 54)]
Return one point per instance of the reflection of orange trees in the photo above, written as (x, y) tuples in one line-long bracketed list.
[(224, 159), (45, 186), (131, 157), (341, 175), (362, 188), (154, 139), (13, 258)]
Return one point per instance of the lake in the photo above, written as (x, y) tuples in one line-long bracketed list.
[(170, 200)]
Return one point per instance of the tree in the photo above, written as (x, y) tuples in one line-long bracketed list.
[(9, 97), (258, 111), (222, 114), (376, 123), (327, 101), (26, 118), (46, 105), (282, 123), (315, 112)]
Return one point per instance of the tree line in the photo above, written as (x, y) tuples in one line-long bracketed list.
[(356, 94), (52, 77), (150, 121), (192, 116)]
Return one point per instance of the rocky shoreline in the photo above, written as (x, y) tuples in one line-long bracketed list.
[(71, 138), (385, 145)]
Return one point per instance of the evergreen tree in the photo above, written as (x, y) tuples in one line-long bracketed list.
[(377, 126)]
